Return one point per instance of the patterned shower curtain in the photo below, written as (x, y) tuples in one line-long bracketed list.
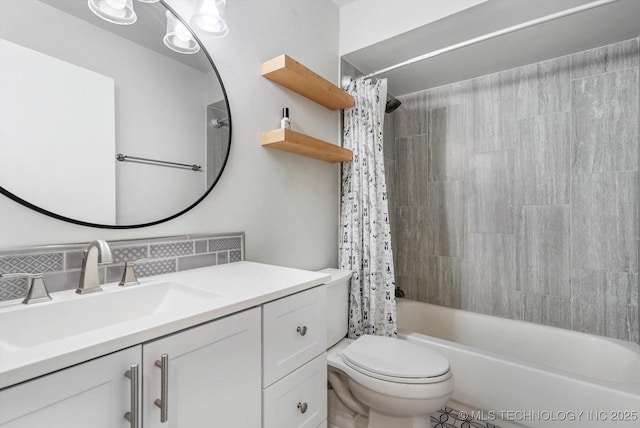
[(365, 237)]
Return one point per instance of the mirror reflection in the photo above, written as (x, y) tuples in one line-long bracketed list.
[(79, 93)]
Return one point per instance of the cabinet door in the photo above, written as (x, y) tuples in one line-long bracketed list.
[(295, 331), (94, 394), (213, 375), (299, 400)]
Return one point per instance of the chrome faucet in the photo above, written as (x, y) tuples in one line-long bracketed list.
[(98, 251)]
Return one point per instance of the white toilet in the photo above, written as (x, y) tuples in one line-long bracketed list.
[(394, 383)]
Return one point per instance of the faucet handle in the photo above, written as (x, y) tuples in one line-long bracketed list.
[(37, 291), (129, 275)]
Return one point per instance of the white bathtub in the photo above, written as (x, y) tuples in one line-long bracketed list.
[(521, 373)]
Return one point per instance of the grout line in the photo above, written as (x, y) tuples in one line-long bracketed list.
[(604, 73), (570, 197)]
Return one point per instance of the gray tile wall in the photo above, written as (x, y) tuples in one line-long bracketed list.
[(517, 193), (217, 140), (61, 264)]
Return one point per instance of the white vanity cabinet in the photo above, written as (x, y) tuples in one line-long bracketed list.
[(212, 378), (255, 357), (213, 375), (94, 394), (294, 361)]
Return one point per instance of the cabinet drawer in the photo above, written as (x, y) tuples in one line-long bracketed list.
[(303, 390), (294, 332)]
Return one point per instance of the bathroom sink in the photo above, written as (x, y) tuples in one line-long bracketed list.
[(72, 315)]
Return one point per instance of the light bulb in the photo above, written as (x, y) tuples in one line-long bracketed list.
[(116, 4), (210, 16), (213, 22), (178, 37), (115, 11), (182, 33)]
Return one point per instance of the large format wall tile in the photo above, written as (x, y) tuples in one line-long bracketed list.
[(609, 58), (448, 95), (494, 111), (446, 218), (392, 194), (412, 169), (543, 88), (411, 116), (389, 136), (542, 250), (604, 219), (541, 159), (448, 137), (490, 278), (414, 288), (445, 281), (549, 155), (605, 122), (490, 192), (548, 310), (411, 242), (606, 303)]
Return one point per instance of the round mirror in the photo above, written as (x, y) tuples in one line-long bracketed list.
[(105, 124)]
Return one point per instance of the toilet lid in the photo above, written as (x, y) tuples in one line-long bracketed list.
[(395, 359)]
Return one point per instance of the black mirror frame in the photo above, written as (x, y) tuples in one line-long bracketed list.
[(28, 204)]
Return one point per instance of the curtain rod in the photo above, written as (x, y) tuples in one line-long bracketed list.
[(494, 34)]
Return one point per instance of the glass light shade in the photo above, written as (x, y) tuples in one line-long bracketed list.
[(178, 37), (210, 17), (148, 1), (115, 11)]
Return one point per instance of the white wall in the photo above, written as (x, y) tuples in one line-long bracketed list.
[(286, 204), (365, 22), (68, 134)]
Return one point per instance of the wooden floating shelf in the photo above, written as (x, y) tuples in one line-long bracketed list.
[(289, 73), (301, 144)]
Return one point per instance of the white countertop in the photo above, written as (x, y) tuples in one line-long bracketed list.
[(237, 286)]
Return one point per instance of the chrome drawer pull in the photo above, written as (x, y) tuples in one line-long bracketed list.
[(132, 416), (302, 407), (302, 330), (163, 401)]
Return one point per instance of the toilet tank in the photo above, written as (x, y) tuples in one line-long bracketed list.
[(337, 304)]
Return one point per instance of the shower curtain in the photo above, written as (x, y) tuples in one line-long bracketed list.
[(365, 237)]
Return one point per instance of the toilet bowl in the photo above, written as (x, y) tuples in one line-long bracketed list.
[(395, 382)]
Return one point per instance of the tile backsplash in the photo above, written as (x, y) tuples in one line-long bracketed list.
[(61, 264)]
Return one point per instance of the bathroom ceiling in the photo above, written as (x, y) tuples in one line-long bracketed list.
[(597, 27)]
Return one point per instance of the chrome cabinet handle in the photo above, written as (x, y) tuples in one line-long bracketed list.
[(302, 407), (163, 401), (302, 330), (132, 416)]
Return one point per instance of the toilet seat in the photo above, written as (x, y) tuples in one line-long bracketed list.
[(392, 360), (363, 383)]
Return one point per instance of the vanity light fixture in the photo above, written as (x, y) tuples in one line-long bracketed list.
[(115, 11), (178, 38), (210, 17), (148, 1)]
